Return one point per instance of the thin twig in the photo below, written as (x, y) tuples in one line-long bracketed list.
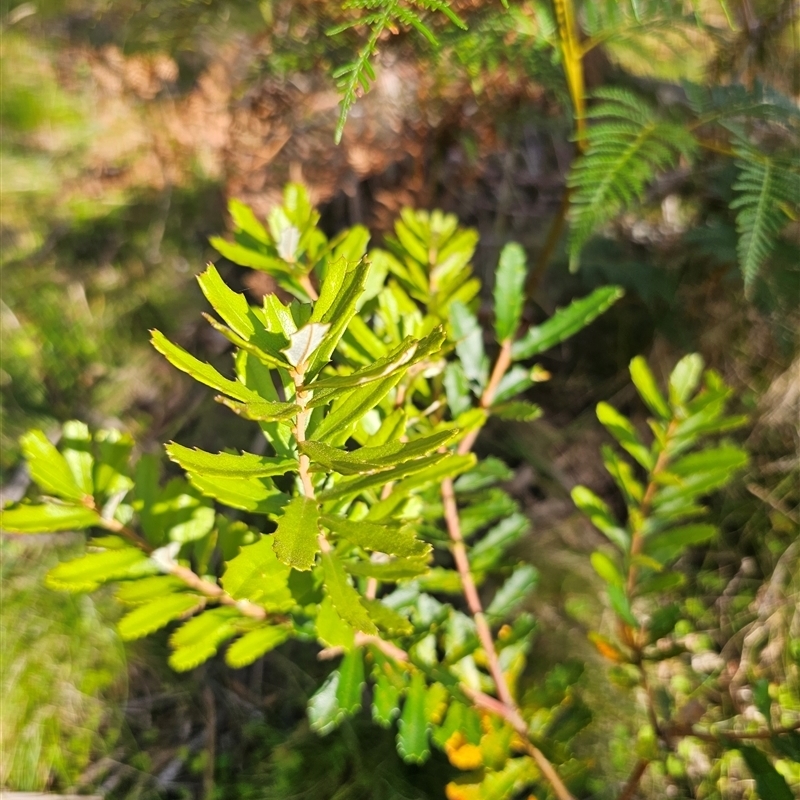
[(635, 778)]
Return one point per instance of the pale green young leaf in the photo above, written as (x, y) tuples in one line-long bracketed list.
[(519, 584), (304, 342), (508, 781), (76, 446), (246, 221), (254, 644), (456, 386), (565, 322), (47, 518), (509, 291), (257, 495), (373, 459), (351, 682), (246, 256), (48, 467), (413, 727), (622, 430), (388, 538), (296, 537), (246, 465), (648, 388), (87, 573), (198, 639), (200, 370), (152, 616), (392, 428), (345, 599), (257, 575), (111, 467), (340, 312), (685, 378)]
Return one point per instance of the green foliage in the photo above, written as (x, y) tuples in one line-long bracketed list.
[(624, 151), (367, 514)]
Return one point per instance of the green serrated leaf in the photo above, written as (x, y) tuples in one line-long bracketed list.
[(389, 538), (198, 639), (385, 695), (47, 518), (351, 682), (648, 389), (622, 430), (367, 460), (246, 465), (395, 570), (387, 619), (685, 378), (257, 495), (76, 446), (140, 591), (517, 410), (600, 516), (254, 644), (257, 575), (521, 582), (412, 730), (468, 336), (152, 616), (324, 714), (565, 322), (296, 536), (331, 629), (48, 467), (509, 291), (87, 573), (345, 599), (201, 371)]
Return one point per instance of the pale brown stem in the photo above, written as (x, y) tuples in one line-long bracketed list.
[(308, 287), (506, 706), (190, 578), (487, 398)]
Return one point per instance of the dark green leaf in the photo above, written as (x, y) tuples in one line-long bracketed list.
[(509, 291), (770, 784), (565, 322), (412, 734), (351, 682)]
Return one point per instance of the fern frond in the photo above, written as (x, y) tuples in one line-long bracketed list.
[(354, 78), (717, 103), (768, 194), (623, 154)]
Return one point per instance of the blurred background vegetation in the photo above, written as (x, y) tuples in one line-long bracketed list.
[(125, 127)]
